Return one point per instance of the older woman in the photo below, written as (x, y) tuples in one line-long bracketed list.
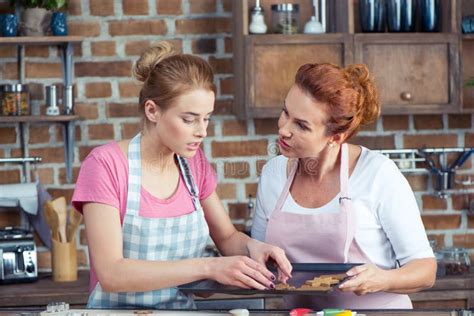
[(324, 200)]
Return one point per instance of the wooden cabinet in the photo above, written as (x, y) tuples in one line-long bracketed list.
[(273, 61), (415, 72)]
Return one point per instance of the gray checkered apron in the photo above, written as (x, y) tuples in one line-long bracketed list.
[(158, 239)]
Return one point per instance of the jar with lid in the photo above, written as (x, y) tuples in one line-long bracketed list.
[(285, 18), (456, 261), (15, 100), (440, 270)]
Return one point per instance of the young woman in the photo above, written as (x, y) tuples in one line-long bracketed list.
[(324, 200), (150, 204)]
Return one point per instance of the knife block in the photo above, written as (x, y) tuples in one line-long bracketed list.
[(64, 260)]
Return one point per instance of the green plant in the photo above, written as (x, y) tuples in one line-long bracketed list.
[(54, 5)]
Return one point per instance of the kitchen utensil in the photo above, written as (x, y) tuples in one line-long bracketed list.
[(52, 219), (75, 219), (59, 206)]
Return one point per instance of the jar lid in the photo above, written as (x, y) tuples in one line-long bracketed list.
[(18, 87), (286, 7), (453, 250)]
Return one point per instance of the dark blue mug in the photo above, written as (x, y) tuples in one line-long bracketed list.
[(372, 15), (468, 24), (59, 24), (430, 15), (401, 15), (9, 25)]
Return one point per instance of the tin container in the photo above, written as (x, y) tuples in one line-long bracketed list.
[(15, 100)]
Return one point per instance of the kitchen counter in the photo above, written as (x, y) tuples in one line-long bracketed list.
[(449, 292)]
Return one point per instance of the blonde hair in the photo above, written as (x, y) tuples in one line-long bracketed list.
[(166, 75)]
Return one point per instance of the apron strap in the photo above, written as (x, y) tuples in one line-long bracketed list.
[(345, 201), (134, 175), (189, 180), (286, 188), (344, 173)]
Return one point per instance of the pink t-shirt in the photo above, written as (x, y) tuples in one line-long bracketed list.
[(103, 178)]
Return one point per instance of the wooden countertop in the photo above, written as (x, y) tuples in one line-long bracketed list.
[(76, 293)]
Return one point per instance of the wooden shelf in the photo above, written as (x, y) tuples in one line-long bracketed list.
[(40, 40), (38, 118), (468, 37)]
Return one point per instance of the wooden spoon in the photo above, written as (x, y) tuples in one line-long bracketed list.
[(52, 219), (75, 219), (59, 205)]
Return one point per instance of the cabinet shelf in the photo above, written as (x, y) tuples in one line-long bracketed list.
[(40, 40), (468, 37), (38, 119)]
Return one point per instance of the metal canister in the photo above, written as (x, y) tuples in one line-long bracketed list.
[(15, 100), (68, 100)]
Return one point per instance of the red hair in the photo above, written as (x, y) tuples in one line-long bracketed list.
[(349, 94)]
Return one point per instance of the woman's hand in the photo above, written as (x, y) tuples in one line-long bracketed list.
[(243, 272), (367, 278), (262, 252)]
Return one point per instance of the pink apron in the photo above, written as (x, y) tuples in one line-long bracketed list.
[(326, 238)]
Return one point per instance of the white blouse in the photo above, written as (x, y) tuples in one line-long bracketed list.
[(389, 226)]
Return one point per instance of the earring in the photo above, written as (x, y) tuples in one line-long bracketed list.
[(331, 145)]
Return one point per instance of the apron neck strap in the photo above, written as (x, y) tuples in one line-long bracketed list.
[(293, 167), (344, 173)]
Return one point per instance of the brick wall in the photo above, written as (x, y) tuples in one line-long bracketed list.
[(116, 32)]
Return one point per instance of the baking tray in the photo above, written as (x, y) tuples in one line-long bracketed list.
[(301, 272)]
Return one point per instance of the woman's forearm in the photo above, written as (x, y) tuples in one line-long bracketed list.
[(130, 275), (415, 276), (234, 245)]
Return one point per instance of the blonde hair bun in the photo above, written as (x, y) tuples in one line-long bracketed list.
[(151, 57)]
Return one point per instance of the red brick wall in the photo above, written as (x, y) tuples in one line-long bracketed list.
[(116, 32)]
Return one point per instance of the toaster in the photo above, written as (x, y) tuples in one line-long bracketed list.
[(18, 261)]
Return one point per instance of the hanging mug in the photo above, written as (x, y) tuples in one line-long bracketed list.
[(58, 24), (9, 25)]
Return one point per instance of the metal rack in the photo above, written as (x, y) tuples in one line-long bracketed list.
[(421, 160), (25, 161)]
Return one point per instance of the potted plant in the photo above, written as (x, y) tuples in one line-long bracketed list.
[(35, 17)]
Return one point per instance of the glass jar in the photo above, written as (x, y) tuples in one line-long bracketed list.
[(456, 261), (440, 270), (15, 100), (285, 18)]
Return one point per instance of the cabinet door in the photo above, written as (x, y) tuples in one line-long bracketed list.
[(414, 73), (272, 61)]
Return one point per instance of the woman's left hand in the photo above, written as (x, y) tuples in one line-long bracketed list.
[(262, 252), (363, 279)]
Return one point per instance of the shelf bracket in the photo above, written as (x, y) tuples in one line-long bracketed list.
[(21, 62), (69, 138), (23, 130)]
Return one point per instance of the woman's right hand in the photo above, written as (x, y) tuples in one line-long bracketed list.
[(243, 272)]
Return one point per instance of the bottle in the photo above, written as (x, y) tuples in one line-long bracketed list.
[(257, 20)]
